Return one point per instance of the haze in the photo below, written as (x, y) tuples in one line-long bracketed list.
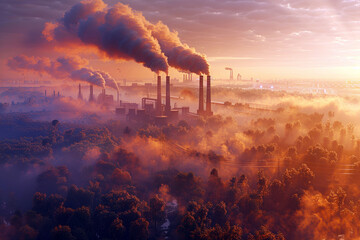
[(184, 120)]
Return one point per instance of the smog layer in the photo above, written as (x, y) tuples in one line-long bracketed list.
[(85, 156)]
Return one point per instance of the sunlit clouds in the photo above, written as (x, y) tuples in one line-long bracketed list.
[(265, 39)]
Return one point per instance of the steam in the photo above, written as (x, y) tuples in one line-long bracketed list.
[(64, 67), (122, 33)]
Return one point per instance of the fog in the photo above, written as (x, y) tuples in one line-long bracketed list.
[(286, 168)]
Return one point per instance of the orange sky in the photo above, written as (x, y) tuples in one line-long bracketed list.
[(263, 39)]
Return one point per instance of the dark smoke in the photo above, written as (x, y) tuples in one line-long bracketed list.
[(64, 67), (180, 56), (121, 33), (118, 32)]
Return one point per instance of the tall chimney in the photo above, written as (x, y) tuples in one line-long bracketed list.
[(208, 97), (45, 92), (91, 97), (117, 98), (201, 95), (158, 101), (167, 106), (80, 94)]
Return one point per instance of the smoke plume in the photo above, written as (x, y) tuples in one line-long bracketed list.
[(122, 33), (118, 33), (64, 67)]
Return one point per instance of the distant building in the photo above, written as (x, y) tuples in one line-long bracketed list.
[(105, 99), (238, 77)]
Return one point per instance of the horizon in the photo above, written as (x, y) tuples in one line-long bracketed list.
[(266, 40), (179, 120)]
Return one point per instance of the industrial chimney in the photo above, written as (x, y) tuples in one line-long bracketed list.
[(201, 95), (208, 97), (117, 97), (158, 101), (167, 105), (80, 94), (231, 73), (91, 97)]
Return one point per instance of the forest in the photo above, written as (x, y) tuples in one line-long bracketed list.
[(284, 175)]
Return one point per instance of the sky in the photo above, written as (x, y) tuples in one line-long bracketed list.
[(260, 39)]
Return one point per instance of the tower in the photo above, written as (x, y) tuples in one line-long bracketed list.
[(91, 97), (201, 95), (80, 94), (167, 104), (158, 100), (208, 97)]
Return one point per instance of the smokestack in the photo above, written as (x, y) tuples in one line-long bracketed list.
[(208, 97), (45, 93), (201, 95), (80, 94), (167, 106), (91, 98), (54, 93), (117, 98), (158, 101)]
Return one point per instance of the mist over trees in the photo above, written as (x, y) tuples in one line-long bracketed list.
[(286, 174)]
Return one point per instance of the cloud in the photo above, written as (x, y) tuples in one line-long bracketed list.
[(221, 28), (63, 68)]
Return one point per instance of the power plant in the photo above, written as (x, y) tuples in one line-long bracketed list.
[(159, 112)]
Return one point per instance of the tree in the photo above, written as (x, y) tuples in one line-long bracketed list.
[(117, 229), (219, 215), (27, 233), (78, 197), (46, 206), (234, 233), (187, 225), (157, 211), (62, 233), (139, 229), (80, 218)]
